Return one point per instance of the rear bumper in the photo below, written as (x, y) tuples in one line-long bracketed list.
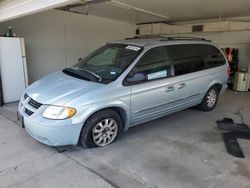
[(57, 134), (223, 88)]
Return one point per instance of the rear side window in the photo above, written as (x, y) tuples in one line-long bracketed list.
[(190, 58), (212, 57)]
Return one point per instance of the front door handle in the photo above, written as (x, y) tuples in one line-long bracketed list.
[(170, 88), (181, 85)]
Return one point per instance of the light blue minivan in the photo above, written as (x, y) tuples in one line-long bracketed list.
[(122, 84)]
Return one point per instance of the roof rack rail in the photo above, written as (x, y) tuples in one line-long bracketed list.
[(144, 37), (183, 38), (166, 38)]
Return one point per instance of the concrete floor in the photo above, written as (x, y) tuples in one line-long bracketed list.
[(181, 150)]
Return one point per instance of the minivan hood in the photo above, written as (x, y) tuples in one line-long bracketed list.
[(59, 88)]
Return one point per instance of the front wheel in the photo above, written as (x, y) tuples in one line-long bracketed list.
[(101, 129), (210, 99)]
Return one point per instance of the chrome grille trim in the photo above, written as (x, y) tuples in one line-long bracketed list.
[(28, 112), (34, 104), (25, 96), (28, 105)]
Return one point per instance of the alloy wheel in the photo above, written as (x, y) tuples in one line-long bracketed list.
[(105, 132), (211, 98)]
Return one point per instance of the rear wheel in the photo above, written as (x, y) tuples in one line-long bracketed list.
[(101, 129), (210, 100)]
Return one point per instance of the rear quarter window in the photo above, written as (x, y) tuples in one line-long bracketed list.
[(188, 58), (212, 57)]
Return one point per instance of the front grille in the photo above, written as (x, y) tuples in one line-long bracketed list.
[(34, 104), (25, 96), (28, 105), (28, 112)]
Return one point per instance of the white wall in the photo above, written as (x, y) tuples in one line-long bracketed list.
[(56, 39)]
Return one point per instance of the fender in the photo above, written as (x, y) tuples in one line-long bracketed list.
[(91, 109), (213, 82)]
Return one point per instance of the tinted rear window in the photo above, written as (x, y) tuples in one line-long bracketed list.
[(188, 58)]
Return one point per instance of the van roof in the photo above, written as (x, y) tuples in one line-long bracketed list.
[(146, 40)]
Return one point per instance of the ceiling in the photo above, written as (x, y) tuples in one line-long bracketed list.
[(134, 11), (166, 10), (11, 9)]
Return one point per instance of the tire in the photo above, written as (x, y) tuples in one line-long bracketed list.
[(210, 99), (105, 125)]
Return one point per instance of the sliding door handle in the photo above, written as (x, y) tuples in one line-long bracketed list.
[(170, 88), (180, 86)]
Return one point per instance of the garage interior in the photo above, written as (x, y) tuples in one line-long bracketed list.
[(180, 150)]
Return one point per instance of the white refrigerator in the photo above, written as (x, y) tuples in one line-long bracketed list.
[(13, 68)]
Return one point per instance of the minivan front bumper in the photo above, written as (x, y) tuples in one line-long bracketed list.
[(59, 135), (48, 131)]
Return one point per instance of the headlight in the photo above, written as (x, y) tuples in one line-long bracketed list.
[(58, 112)]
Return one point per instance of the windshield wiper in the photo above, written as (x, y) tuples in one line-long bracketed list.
[(75, 73), (94, 74)]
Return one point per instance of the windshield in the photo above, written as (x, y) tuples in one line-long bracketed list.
[(106, 63)]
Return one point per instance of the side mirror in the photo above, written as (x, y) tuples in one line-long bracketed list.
[(137, 77)]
